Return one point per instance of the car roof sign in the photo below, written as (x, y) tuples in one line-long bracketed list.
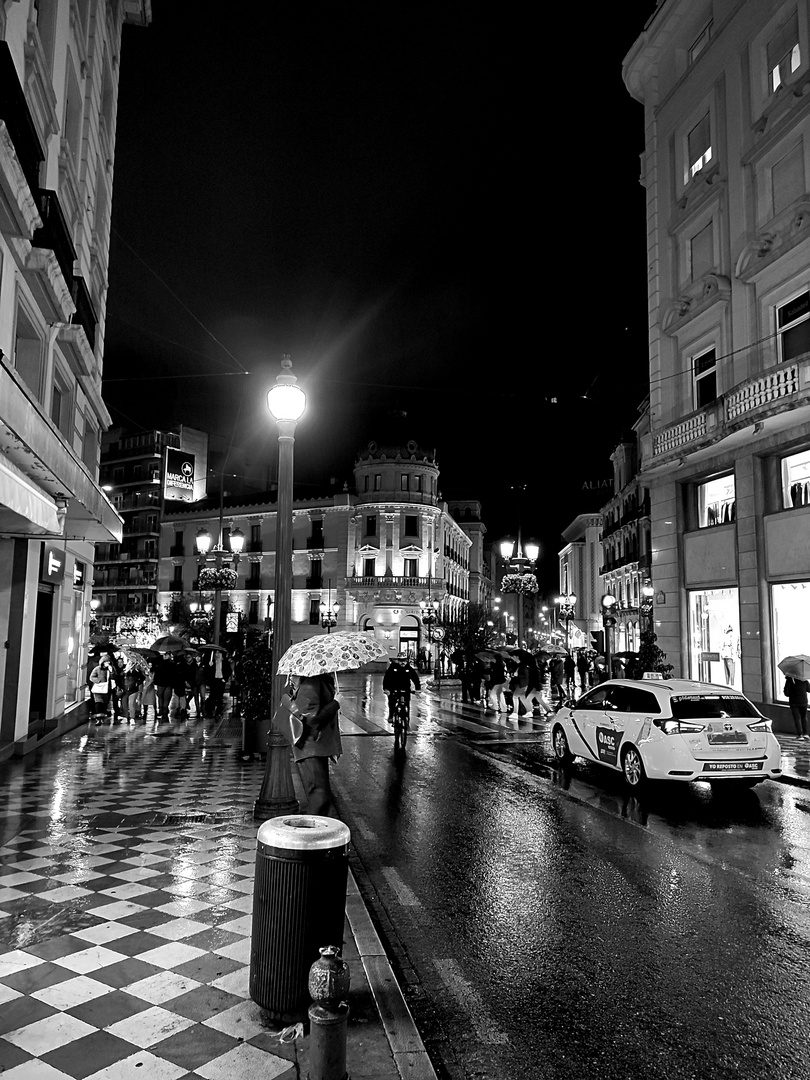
[(652, 675)]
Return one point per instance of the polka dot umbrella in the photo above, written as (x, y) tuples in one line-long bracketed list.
[(343, 651)]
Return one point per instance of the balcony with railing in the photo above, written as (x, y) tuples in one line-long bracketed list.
[(391, 581), (775, 390)]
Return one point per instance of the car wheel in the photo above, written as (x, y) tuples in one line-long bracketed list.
[(633, 768), (562, 752)]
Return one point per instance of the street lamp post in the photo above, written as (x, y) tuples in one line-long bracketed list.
[(430, 618), (329, 611), (647, 593), (567, 604), (609, 621), (286, 402)]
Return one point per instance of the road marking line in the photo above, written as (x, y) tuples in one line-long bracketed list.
[(470, 1000), (406, 896)]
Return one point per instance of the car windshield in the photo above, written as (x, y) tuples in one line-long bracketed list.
[(711, 706)]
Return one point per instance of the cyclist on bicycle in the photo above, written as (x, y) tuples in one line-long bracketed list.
[(398, 680)]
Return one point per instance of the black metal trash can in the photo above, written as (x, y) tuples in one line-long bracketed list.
[(299, 904)]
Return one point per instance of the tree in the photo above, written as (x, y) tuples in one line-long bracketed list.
[(469, 631), (650, 656)]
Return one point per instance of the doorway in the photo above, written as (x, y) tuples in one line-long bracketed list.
[(41, 659)]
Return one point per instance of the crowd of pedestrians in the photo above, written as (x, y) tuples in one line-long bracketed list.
[(125, 688), (516, 682)]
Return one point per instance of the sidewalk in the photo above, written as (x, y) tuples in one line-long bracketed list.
[(795, 760), (126, 888)]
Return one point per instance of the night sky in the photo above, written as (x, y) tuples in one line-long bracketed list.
[(434, 209)]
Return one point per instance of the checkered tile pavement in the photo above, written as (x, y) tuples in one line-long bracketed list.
[(126, 879)]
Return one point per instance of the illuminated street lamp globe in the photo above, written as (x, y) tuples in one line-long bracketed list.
[(285, 399)]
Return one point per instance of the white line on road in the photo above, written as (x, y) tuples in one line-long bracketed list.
[(470, 1000), (406, 896)]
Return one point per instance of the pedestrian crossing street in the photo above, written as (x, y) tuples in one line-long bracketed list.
[(364, 709)]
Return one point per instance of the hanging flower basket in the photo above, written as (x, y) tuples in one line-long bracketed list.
[(212, 578), (520, 583)]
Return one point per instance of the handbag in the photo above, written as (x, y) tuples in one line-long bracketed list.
[(288, 723), (101, 688)]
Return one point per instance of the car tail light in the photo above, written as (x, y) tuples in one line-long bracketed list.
[(678, 727), (760, 725)]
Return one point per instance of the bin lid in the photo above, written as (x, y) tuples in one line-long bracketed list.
[(303, 832)]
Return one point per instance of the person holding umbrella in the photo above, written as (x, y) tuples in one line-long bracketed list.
[(796, 670), (313, 700), (312, 665)]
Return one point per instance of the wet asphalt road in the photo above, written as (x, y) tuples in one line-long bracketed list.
[(547, 924)]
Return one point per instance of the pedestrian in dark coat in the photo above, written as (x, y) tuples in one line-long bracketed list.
[(796, 692), (496, 684), (313, 701), (570, 668), (557, 673), (582, 667)]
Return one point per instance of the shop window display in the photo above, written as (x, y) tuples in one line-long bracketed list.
[(796, 480), (716, 502), (791, 629), (714, 637)]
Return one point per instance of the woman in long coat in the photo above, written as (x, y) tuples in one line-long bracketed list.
[(314, 703)]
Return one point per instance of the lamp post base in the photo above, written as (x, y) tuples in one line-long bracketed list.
[(277, 795)]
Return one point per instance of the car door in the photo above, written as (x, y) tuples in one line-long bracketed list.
[(587, 717), (630, 707)]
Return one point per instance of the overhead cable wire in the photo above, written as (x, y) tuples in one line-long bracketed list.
[(182, 303)]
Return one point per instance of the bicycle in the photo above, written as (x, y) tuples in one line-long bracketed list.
[(401, 718)]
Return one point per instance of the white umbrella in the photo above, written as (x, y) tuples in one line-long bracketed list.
[(343, 651)]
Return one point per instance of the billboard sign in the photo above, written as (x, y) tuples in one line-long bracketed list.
[(178, 475)]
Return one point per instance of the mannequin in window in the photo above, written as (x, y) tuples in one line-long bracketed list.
[(729, 651)]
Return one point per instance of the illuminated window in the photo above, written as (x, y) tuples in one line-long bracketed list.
[(784, 54), (796, 480), (699, 146), (716, 502)]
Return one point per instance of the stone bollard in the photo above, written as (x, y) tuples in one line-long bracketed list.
[(328, 986)]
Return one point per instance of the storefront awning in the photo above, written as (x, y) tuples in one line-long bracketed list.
[(24, 508)]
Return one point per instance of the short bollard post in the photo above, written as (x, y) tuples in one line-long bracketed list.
[(328, 986)]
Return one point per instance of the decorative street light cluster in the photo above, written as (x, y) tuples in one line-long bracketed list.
[(520, 579), (218, 576), (329, 611), (567, 604)]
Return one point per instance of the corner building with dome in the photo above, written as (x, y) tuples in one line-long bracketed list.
[(382, 557)]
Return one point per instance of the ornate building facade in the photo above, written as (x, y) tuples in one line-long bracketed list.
[(384, 555), (726, 167), (59, 71)]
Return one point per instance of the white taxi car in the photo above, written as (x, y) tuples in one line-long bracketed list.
[(671, 729)]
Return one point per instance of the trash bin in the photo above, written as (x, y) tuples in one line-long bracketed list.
[(299, 904)]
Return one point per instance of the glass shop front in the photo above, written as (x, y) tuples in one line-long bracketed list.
[(714, 636)]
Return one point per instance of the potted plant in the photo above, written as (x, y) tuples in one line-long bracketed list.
[(254, 675)]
